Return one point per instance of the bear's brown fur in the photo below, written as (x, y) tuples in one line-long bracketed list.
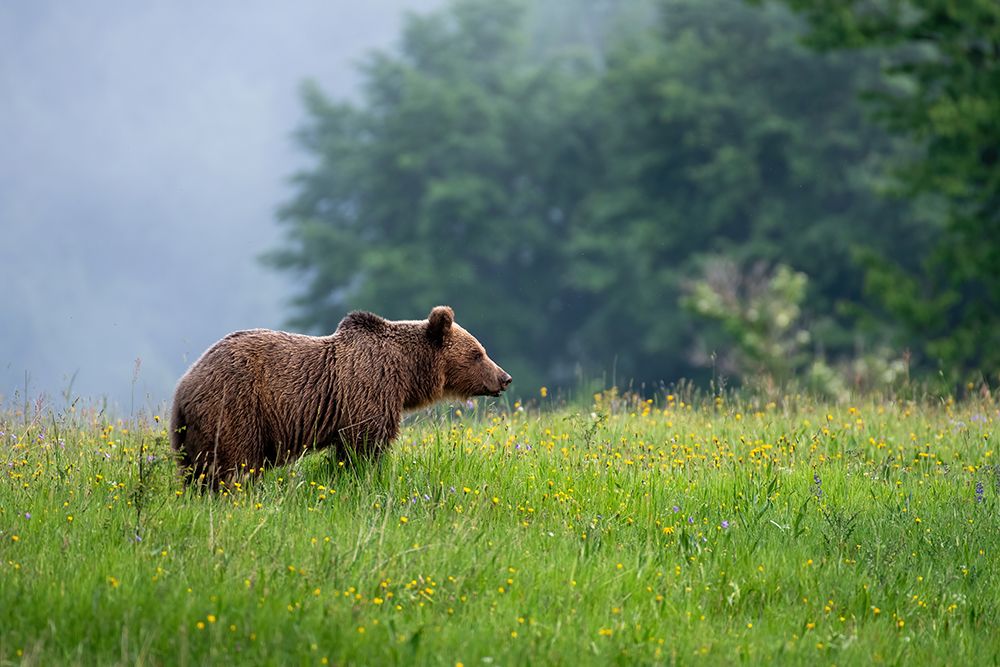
[(261, 397)]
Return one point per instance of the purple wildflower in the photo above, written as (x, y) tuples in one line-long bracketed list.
[(819, 485), (979, 492), (676, 509), (725, 525), (27, 515), (690, 519)]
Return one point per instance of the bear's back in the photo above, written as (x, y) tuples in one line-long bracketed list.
[(259, 360)]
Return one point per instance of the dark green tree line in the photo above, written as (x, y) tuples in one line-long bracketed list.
[(726, 137), (453, 183), (942, 66), (563, 200)]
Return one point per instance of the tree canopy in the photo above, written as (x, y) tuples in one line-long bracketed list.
[(448, 186), (566, 195), (942, 93)]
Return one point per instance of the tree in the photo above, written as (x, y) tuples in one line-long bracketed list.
[(725, 136), (452, 183), (561, 199), (943, 61)]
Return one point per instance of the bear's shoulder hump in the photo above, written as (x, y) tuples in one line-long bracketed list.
[(362, 322)]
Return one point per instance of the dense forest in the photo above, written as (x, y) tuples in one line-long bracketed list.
[(802, 192)]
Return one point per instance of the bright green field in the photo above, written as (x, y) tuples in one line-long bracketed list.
[(625, 533)]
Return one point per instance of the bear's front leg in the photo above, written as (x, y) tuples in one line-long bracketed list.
[(367, 440)]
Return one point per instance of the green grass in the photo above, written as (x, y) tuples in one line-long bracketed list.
[(625, 533)]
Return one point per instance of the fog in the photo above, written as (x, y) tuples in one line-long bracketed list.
[(144, 149)]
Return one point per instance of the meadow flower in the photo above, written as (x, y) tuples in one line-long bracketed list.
[(979, 492), (725, 525), (818, 484)]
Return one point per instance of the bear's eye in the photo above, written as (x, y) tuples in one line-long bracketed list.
[(475, 355)]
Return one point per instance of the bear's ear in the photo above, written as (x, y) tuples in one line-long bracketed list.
[(439, 323)]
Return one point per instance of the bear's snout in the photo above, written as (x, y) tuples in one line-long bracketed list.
[(503, 381)]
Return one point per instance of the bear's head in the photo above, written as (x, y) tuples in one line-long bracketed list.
[(468, 371)]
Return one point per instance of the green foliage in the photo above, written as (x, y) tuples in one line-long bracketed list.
[(448, 186), (943, 93), (560, 199), (727, 137), (761, 311), (642, 533)]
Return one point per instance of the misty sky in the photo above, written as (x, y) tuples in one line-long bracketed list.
[(144, 148)]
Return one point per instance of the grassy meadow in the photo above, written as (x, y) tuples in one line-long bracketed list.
[(677, 530)]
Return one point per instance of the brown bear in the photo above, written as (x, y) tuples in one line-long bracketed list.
[(260, 397)]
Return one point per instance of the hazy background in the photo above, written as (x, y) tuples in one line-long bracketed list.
[(627, 192), (144, 148)]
